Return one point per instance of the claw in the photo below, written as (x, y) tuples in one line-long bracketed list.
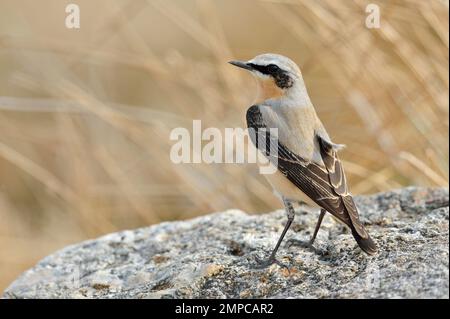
[(304, 244), (264, 263)]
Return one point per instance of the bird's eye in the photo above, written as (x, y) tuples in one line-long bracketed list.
[(272, 68)]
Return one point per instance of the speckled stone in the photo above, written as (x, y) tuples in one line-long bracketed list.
[(213, 256)]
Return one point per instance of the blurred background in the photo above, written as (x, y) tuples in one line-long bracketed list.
[(85, 114)]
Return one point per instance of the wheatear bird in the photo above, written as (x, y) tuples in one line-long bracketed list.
[(308, 168)]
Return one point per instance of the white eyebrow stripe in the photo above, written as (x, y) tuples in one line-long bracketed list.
[(264, 62)]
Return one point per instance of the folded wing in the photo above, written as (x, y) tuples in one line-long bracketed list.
[(326, 186)]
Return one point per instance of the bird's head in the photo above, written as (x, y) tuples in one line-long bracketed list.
[(277, 75)]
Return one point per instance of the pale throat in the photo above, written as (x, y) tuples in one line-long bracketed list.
[(267, 90), (270, 94)]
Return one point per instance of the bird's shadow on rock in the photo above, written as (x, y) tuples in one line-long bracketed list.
[(307, 245)]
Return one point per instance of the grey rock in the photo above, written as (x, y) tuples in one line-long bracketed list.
[(213, 256)]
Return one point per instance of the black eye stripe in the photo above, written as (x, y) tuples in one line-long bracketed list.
[(281, 77), (270, 69)]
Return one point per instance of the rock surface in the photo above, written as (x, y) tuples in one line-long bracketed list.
[(214, 257)]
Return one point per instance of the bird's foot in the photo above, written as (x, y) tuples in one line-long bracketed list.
[(264, 263), (304, 244)]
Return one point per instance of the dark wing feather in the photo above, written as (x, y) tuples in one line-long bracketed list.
[(354, 216), (337, 180), (334, 167)]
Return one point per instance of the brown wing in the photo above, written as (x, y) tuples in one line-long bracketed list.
[(326, 186), (339, 183)]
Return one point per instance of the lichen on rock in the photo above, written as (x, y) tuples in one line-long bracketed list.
[(213, 256)]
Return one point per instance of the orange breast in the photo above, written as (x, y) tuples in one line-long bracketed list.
[(267, 89)]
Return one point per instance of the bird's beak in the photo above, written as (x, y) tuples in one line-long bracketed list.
[(241, 64)]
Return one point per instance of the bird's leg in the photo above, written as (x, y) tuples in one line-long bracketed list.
[(319, 222), (290, 215)]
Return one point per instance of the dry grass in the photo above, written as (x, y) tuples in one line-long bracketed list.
[(85, 115)]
